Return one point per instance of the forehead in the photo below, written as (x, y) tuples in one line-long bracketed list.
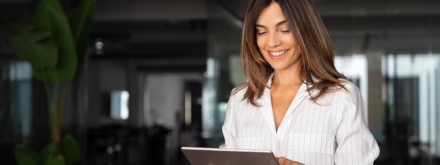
[(271, 15)]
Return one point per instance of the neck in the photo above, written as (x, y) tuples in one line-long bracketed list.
[(287, 77)]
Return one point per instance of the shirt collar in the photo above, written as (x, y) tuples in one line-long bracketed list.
[(269, 81), (301, 94), (302, 89)]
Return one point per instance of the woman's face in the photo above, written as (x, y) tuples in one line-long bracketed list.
[(275, 40)]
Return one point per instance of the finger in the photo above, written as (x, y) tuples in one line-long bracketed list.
[(296, 163), (282, 160), (285, 161)]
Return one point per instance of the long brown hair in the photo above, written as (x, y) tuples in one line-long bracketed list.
[(316, 56)]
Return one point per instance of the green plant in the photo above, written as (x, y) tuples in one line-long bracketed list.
[(54, 46)]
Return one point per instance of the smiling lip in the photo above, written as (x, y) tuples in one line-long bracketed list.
[(277, 54)]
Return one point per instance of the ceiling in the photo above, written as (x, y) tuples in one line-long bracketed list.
[(176, 28)]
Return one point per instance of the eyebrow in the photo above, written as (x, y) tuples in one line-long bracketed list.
[(278, 24)]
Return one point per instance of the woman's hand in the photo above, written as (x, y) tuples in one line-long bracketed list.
[(285, 161)]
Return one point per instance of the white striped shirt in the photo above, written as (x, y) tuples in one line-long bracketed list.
[(335, 131)]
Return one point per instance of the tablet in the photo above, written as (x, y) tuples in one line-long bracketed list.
[(221, 156)]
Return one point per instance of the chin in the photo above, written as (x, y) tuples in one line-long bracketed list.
[(278, 67)]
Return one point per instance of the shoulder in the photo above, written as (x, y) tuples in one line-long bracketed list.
[(345, 92), (341, 88), (238, 92), (350, 95), (349, 86)]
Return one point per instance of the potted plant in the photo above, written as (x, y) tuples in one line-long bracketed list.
[(55, 46)]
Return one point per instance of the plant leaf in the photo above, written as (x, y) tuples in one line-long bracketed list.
[(50, 74), (48, 152), (50, 14), (56, 160), (71, 150), (25, 155), (81, 25), (40, 33), (34, 45)]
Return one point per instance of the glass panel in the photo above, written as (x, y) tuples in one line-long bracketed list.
[(119, 105), (16, 106), (224, 36)]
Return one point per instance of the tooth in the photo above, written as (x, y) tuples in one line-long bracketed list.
[(279, 53)]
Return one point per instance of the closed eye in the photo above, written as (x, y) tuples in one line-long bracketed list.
[(261, 33)]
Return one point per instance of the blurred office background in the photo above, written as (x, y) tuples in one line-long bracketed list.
[(158, 74)]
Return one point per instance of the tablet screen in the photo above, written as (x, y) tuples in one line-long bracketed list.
[(221, 156)]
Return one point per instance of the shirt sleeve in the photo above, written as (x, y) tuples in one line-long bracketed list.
[(355, 143), (228, 126)]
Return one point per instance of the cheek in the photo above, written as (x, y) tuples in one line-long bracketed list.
[(292, 44), (260, 43), (289, 40)]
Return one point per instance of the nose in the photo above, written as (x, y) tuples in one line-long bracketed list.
[(274, 40)]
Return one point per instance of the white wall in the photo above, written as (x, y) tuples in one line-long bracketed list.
[(164, 96), (163, 99)]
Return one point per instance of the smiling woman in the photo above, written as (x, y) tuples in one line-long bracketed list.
[(295, 102), (274, 39)]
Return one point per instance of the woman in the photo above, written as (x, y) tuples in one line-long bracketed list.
[(295, 102)]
